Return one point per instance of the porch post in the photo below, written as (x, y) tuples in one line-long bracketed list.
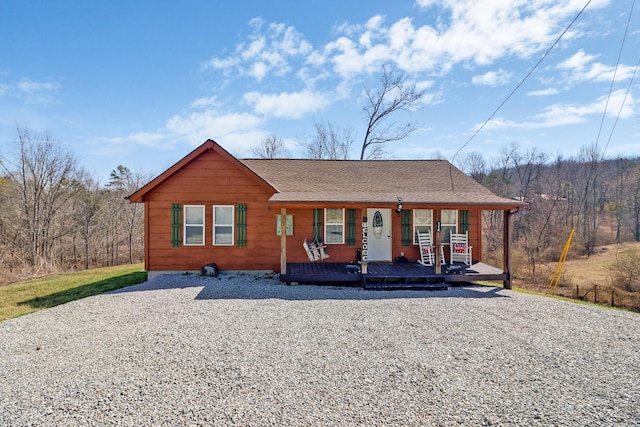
[(506, 248), (283, 241), (437, 238), (365, 246)]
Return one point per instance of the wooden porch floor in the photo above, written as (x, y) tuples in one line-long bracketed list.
[(389, 276)]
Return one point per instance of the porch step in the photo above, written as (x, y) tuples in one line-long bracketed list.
[(406, 286)]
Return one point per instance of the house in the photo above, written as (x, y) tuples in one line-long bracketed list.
[(256, 214)]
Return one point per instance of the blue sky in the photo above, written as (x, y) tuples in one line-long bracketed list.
[(142, 83)]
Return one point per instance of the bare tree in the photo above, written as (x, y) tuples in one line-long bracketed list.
[(88, 204), (527, 170), (474, 165), (392, 96), (270, 148), (43, 179), (123, 182), (330, 143)]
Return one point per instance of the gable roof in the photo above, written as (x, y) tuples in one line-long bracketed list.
[(434, 182), (209, 144)]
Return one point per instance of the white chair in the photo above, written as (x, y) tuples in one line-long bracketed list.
[(427, 254), (460, 249), (315, 250)]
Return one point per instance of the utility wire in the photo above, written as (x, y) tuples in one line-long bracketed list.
[(613, 80), (521, 82), (626, 94)]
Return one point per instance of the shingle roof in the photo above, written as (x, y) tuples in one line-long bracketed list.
[(374, 181)]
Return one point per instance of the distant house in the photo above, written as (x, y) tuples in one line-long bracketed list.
[(256, 214)]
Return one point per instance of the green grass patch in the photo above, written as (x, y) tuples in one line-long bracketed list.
[(544, 294), (22, 298)]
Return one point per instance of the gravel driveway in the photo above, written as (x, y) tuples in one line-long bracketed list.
[(244, 350)]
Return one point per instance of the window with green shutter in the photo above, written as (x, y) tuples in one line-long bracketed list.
[(464, 221), (406, 228), (176, 224), (317, 224), (241, 224), (351, 227)]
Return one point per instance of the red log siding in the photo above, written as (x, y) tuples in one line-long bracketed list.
[(211, 180)]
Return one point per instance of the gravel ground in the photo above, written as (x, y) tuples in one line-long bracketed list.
[(244, 350)]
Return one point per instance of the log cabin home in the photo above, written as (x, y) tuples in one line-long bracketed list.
[(257, 214)]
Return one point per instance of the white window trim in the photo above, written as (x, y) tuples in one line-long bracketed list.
[(333, 223), (184, 231), (233, 225), (455, 224), (413, 226)]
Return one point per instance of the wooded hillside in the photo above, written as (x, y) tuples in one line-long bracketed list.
[(599, 198), (56, 217)]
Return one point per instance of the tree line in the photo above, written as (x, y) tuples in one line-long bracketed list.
[(56, 217), (597, 197)]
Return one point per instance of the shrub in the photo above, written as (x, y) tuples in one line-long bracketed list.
[(624, 271)]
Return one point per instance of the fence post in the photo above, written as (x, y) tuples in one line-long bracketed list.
[(613, 291), (577, 292), (595, 294)]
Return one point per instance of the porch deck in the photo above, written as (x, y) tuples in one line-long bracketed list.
[(389, 276)]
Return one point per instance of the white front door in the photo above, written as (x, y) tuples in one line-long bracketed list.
[(379, 236)]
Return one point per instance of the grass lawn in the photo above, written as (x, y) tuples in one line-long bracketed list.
[(26, 297)]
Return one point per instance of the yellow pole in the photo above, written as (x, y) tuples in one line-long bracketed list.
[(555, 278)]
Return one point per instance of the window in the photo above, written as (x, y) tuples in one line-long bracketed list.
[(194, 225), (422, 222), (449, 223), (288, 225), (334, 225), (223, 225)]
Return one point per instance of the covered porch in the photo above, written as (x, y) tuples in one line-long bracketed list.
[(410, 275)]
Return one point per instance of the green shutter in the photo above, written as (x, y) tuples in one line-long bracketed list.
[(406, 228), (464, 221), (241, 225), (351, 227), (176, 224), (317, 224)]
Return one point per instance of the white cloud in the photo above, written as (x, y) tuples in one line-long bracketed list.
[(150, 139), (559, 113), (425, 84), (238, 131), (205, 102), (467, 32), (562, 114), (30, 91), (269, 49), (287, 105), (425, 3), (198, 127), (471, 32), (492, 78), (543, 92), (28, 86), (582, 67)]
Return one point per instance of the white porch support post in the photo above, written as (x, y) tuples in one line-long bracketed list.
[(506, 248), (365, 245), (283, 240), (437, 238)]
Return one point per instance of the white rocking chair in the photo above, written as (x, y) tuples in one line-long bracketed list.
[(460, 249), (315, 250), (427, 253)]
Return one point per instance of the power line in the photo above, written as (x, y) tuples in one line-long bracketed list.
[(613, 80), (521, 82)]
